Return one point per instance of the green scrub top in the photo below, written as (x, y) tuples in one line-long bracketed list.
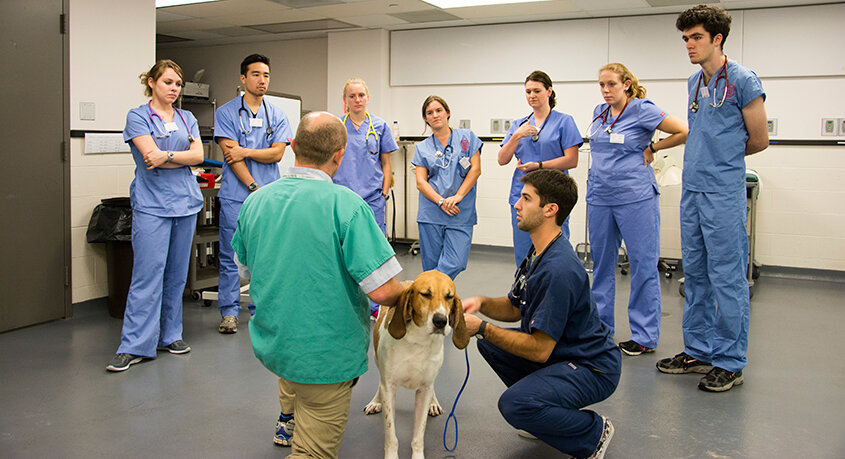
[(308, 243)]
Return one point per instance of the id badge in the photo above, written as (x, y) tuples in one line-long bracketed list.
[(617, 138), (256, 122), (464, 162), (171, 126), (705, 92)]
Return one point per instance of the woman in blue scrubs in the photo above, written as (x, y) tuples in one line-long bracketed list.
[(622, 200), (165, 199), (448, 165), (365, 168), (545, 139)]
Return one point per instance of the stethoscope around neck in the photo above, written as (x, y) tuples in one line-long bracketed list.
[(164, 131), (603, 116), (536, 137), (370, 130), (527, 267), (269, 131), (722, 73), (448, 151)]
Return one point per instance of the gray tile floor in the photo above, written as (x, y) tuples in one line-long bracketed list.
[(57, 400)]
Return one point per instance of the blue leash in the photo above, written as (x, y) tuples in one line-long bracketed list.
[(454, 405)]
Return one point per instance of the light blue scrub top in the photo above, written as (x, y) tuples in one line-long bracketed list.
[(162, 192), (446, 175), (559, 132), (617, 174), (360, 170), (227, 124), (714, 157)]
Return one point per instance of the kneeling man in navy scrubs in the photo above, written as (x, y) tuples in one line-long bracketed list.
[(562, 357)]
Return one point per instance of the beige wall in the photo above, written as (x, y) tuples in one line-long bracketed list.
[(107, 53)]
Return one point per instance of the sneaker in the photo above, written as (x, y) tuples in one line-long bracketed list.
[(284, 430), (720, 380), (121, 362), (176, 347), (228, 325), (604, 441), (525, 434), (683, 363), (631, 347)]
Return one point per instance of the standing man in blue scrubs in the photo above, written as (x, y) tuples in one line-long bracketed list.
[(562, 357), (727, 122), (253, 135)]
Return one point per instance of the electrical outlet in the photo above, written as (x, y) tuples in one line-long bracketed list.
[(829, 126), (507, 125), (464, 124), (86, 111), (773, 126), (841, 126)]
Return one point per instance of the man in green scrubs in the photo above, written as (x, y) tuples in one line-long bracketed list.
[(313, 253)]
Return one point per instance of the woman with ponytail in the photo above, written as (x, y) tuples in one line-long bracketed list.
[(622, 200), (545, 139)]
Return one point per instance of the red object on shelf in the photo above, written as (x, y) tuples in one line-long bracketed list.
[(209, 180)]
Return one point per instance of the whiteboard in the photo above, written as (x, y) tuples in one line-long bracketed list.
[(567, 50), (292, 106)]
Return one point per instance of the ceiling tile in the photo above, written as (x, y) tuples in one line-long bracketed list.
[(375, 20), (303, 26), (224, 7), (164, 16), (270, 17), (433, 15), (237, 31)]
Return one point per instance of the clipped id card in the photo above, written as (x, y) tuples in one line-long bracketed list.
[(464, 162), (256, 122)]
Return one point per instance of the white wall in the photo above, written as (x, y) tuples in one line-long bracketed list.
[(107, 53), (297, 67)]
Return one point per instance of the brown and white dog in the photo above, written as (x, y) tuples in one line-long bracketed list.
[(408, 343)]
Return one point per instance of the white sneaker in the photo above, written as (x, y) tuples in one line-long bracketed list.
[(604, 441)]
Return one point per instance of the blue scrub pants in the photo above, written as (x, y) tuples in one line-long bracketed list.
[(377, 204), (638, 224), (547, 401), (522, 241), (229, 282), (714, 246), (162, 252), (445, 248)]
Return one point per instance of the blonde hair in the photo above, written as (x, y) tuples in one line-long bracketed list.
[(355, 80), (156, 71), (636, 90)]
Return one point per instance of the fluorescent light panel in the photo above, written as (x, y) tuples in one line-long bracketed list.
[(166, 3), (463, 3)]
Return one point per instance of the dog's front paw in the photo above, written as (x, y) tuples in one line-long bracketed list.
[(434, 409), (372, 408)]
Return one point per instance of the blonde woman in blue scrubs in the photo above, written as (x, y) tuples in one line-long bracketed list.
[(622, 200), (365, 168), (165, 142), (448, 165), (545, 139)]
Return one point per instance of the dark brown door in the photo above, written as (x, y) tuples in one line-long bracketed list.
[(34, 169)]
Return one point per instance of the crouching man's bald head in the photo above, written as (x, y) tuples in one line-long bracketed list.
[(320, 142)]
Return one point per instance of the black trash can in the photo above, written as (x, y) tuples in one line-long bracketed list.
[(111, 223)]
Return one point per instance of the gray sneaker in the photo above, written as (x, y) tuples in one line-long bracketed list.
[(176, 347), (228, 325), (604, 441), (121, 362)]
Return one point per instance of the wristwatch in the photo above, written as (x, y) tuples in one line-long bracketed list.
[(440, 202), (252, 187), (385, 196), (169, 156), (480, 333)]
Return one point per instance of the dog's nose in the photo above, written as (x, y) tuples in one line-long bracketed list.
[(439, 320)]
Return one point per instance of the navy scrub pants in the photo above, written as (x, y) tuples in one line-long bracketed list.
[(547, 401)]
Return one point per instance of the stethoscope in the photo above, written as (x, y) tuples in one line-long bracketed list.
[(722, 73), (254, 115), (370, 130), (526, 268), (447, 150), (165, 132), (536, 136), (603, 115)]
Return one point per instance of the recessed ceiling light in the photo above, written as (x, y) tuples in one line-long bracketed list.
[(463, 3), (166, 3)]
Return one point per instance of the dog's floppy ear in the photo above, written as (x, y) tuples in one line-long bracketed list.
[(460, 337), (401, 315)]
